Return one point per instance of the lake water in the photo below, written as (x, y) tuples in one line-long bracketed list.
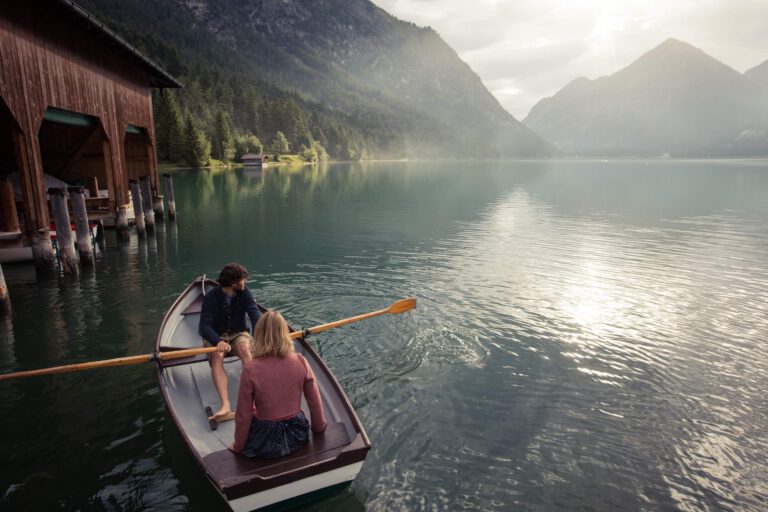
[(589, 335)]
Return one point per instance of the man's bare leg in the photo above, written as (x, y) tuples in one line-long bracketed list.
[(243, 351), (219, 376)]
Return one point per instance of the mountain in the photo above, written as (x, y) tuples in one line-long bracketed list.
[(399, 88), (758, 74), (674, 100)]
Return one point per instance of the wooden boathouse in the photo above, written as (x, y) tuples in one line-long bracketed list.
[(253, 160), (75, 109)]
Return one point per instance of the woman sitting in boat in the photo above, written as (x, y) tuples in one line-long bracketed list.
[(269, 421)]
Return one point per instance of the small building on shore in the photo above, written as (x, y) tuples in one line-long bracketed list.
[(252, 160), (75, 109)]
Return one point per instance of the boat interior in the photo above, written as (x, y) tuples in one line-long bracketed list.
[(189, 390)]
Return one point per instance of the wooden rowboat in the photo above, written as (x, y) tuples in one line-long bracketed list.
[(330, 460)]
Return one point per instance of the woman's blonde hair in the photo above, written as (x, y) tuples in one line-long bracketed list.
[(271, 337)]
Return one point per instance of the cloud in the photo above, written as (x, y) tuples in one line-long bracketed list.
[(525, 50)]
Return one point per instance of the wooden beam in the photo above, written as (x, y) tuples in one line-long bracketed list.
[(8, 214), (35, 201), (109, 172), (93, 186)]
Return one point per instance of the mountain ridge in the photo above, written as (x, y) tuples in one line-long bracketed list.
[(758, 74), (673, 100)]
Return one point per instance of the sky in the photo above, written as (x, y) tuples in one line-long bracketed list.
[(527, 50)]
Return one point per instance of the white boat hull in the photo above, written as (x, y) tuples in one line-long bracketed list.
[(295, 489)]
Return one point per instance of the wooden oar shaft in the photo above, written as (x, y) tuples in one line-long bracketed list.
[(398, 307), (339, 323), (187, 352), (120, 361)]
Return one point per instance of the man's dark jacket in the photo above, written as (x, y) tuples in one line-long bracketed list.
[(218, 317)]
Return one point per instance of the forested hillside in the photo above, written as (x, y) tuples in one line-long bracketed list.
[(329, 77)]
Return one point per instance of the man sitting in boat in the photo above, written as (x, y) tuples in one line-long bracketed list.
[(269, 421), (222, 324)]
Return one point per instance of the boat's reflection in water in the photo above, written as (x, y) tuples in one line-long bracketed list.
[(192, 480)]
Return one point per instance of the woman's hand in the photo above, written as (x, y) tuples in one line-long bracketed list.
[(223, 346)]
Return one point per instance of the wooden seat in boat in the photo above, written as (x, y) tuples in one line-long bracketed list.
[(229, 467)]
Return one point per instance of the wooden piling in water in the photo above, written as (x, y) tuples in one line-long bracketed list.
[(83, 231), (146, 200), (99, 230), (157, 204), (138, 211), (5, 299), (168, 181), (64, 237), (121, 224), (8, 214), (42, 250)]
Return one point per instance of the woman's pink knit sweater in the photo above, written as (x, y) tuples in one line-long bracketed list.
[(270, 389)]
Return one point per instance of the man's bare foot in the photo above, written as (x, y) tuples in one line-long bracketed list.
[(223, 411)]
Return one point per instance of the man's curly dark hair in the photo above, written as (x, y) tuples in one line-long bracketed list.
[(231, 274)]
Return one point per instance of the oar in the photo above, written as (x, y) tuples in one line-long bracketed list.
[(401, 306), (396, 308)]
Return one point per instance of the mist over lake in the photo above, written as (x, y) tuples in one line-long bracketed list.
[(589, 334)]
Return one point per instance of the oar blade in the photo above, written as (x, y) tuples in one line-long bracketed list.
[(402, 306)]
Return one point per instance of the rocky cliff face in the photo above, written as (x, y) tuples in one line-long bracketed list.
[(674, 100)]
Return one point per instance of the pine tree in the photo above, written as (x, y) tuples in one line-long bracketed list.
[(223, 141), (160, 114), (280, 144), (175, 130), (197, 151), (252, 109)]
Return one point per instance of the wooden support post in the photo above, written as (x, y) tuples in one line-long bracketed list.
[(100, 230), (138, 211), (168, 181), (146, 200), (157, 205), (121, 224), (42, 250), (8, 214), (93, 186), (77, 198), (5, 299), (64, 237)]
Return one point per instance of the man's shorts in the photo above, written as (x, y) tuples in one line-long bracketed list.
[(233, 338)]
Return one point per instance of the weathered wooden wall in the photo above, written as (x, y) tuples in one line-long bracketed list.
[(48, 60), (137, 158)]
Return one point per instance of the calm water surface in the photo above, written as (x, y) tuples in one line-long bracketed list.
[(589, 336)]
